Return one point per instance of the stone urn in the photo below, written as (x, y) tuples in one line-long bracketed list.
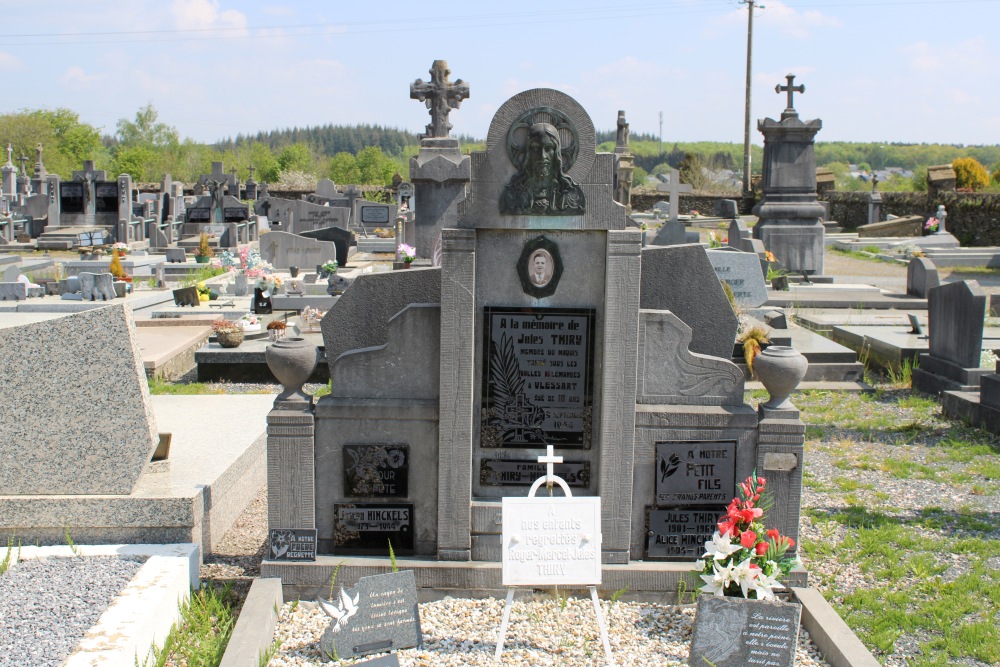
[(240, 284), (780, 369), (292, 360), (293, 271)]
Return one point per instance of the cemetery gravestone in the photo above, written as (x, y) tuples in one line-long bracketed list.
[(956, 312), (741, 271), (379, 614), (341, 238), (921, 277), (283, 250), (186, 296), (735, 632)]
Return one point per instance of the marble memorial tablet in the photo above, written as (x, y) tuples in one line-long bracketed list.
[(374, 214), (680, 534), (552, 541), (380, 614), (736, 632), (537, 377), (695, 473)]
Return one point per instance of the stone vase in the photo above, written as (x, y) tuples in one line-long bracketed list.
[(292, 360), (780, 369), (240, 284), (293, 271)]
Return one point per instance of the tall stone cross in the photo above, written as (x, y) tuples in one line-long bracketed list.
[(10, 155), (23, 160), (40, 171), (675, 190), (549, 459), (440, 96), (791, 90)]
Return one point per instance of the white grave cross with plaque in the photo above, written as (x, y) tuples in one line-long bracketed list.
[(552, 541)]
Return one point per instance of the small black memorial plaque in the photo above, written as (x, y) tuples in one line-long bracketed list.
[(524, 473), (735, 632), (198, 214), (680, 534), (292, 544), (235, 213), (380, 614), (374, 214), (376, 471), (537, 377), (695, 473), (366, 529)]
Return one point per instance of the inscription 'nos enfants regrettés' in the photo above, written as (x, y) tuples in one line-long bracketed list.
[(537, 377)]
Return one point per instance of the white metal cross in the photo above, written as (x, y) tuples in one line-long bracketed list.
[(549, 459)]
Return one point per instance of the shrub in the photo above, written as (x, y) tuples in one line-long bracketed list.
[(204, 249), (969, 173)]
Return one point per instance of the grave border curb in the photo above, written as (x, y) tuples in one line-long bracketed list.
[(831, 635), (254, 630)]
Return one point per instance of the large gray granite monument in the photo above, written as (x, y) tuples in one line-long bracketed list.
[(546, 324), (790, 214)]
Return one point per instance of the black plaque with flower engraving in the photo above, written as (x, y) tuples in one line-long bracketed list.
[(376, 471), (537, 377)]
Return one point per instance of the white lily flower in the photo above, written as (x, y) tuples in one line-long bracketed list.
[(765, 586), (716, 582), (720, 547), (746, 576)]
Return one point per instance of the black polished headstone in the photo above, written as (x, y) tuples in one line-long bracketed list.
[(380, 614), (736, 632), (106, 197), (366, 529), (695, 473), (261, 304), (537, 377), (295, 544), (681, 533), (341, 238), (376, 471), (71, 197), (186, 296), (493, 472)]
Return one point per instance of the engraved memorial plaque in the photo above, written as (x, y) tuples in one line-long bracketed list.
[(695, 473), (366, 529), (376, 471), (680, 534), (297, 544), (494, 472), (374, 214), (733, 632), (235, 213), (198, 214), (537, 377)]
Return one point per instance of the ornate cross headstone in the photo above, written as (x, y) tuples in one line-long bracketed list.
[(440, 96), (39, 167), (790, 89)]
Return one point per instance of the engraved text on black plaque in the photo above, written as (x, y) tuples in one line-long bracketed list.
[(376, 471), (524, 473), (537, 377), (695, 473), (680, 534), (367, 528)]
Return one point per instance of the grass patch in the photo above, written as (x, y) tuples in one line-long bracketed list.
[(207, 621), (906, 469), (160, 387)]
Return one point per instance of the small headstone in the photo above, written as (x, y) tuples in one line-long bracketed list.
[(921, 277), (726, 208), (293, 544), (341, 238), (738, 232), (673, 232), (378, 615), (695, 473), (186, 296), (175, 255), (741, 271), (735, 632), (956, 313)]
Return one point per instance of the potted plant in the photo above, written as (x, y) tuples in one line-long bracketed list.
[(407, 254), (204, 249), (776, 276), (121, 249), (327, 268), (227, 333)]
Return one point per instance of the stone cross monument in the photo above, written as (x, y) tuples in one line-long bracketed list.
[(440, 96), (790, 89)]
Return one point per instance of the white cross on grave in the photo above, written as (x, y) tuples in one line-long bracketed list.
[(552, 541), (675, 190)]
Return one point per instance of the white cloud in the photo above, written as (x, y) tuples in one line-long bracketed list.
[(76, 76), (9, 61), (788, 21), (970, 56), (202, 14)]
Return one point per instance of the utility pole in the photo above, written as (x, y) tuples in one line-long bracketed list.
[(746, 127), (661, 134)]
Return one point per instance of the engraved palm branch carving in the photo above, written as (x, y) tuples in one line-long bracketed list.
[(511, 412)]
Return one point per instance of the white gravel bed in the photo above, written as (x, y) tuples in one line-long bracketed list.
[(463, 632)]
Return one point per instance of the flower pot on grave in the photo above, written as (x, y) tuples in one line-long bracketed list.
[(780, 284), (201, 259), (293, 271), (229, 338), (292, 360), (780, 369)]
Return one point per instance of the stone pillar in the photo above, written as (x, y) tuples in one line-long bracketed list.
[(439, 174), (458, 339), (9, 180), (780, 451), (54, 204), (291, 468), (874, 207), (617, 410), (790, 215)]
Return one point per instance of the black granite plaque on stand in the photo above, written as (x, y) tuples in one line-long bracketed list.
[(537, 377), (380, 471), (261, 304), (295, 544)]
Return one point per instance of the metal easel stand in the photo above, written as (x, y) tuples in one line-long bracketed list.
[(548, 479)]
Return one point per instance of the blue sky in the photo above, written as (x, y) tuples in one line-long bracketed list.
[(874, 70)]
